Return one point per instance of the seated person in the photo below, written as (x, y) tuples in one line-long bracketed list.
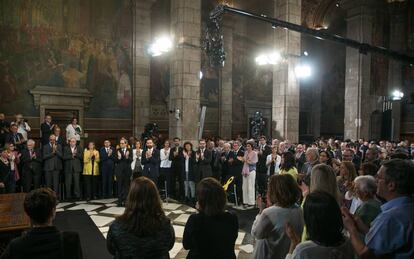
[(43, 240)]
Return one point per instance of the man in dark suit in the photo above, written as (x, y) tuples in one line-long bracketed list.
[(107, 157), (47, 129), (176, 169), (123, 170), (73, 157), (15, 138), (31, 166), (203, 160), (151, 161), (264, 151), (224, 163), (235, 168), (43, 240), (4, 129), (52, 158)]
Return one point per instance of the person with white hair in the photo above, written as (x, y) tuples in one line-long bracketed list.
[(365, 188), (31, 166), (312, 159)]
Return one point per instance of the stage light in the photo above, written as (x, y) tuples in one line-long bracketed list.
[(305, 53), (200, 75), (271, 58), (160, 46), (397, 95), (303, 71)]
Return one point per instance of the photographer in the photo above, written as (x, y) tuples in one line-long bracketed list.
[(73, 130), (22, 126)]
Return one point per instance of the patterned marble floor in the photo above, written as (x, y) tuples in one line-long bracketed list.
[(103, 212)]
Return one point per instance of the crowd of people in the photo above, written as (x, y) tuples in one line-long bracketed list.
[(328, 199)]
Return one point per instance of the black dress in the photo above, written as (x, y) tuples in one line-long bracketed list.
[(211, 237)]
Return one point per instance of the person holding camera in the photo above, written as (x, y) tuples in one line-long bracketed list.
[(22, 126), (91, 171), (73, 130)]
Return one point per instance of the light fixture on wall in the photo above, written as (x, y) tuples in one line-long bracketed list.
[(161, 45), (303, 71), (269, 58), (397, 95), (176, 112)]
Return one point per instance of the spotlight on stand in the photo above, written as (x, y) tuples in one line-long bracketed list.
[(397, 95), (303, 71), (271, 58), (160, 46)]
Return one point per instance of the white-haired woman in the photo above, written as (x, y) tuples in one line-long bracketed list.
[(365, 189)]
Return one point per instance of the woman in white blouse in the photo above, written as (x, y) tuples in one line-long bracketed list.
[(165, 167), (273, 161), (136, 165), (73, 130)]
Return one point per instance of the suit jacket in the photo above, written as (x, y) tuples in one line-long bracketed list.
[(60, 140), (72, 164), (52, 161), (29, 163), (261, 163), (46, 132), (107, 162), (152, 164), (124, 163), (203, 165), (300, 162), (224, 162), (10, 138)]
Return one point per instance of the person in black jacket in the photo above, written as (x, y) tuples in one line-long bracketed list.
[(52, 163), (15, 138), (43, 240), (46, 129), (72, 157), (5, 172), (188, 173), (31, 160), (203, 161), (143, 230), (151, 161), (264, 151), (235, 168), (107, 155), (123, 170), (211, 233), (176, 169)]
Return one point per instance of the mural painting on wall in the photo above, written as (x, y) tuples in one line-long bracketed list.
[(249, 80), (68, 44)]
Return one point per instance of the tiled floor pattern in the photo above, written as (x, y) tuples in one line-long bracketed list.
[(103, 212)]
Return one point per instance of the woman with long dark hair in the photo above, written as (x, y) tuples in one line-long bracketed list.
[(288, 165), (143, 231), (324, 224), (212, 232)]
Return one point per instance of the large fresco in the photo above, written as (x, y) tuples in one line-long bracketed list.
[(66, 43)]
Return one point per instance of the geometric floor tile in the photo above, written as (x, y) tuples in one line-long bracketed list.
[(101, 221), (86, 207)]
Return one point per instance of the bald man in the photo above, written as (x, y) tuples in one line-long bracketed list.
[(32, 166)]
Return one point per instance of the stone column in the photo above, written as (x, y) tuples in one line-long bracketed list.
[(185, 69), (226, 77), (395, 69), (285, 103), (359, 104), (141, 63)]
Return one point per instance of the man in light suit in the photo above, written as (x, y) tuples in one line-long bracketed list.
[(73, 156), (123, 170), (203, 161), (151, 161), (52, 158), (107, 155)]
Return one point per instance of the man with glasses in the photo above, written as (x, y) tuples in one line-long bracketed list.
[(391, 234), (123, 172)]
